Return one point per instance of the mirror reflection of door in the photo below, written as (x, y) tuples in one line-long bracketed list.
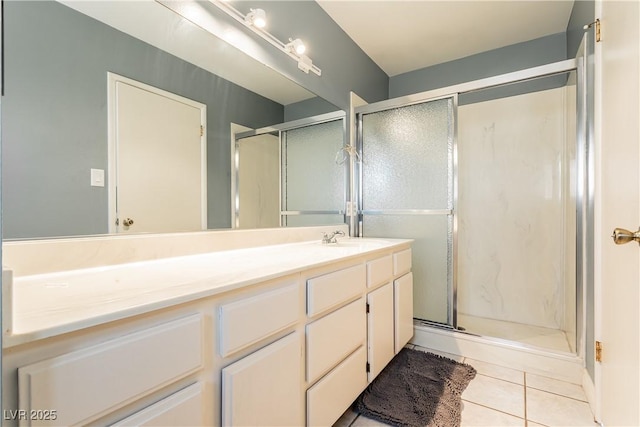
[(258, 184), (157, 155)]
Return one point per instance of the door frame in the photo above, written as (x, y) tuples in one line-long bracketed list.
[(112, 144), (615, 282), (236, 128), (236, 209), (450, 212)]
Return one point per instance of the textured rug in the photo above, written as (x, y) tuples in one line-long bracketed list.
[(417, 389)]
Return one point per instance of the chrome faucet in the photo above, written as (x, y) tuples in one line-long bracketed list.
[(331, 237)]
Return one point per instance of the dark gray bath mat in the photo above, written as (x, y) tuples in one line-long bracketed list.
[(417, 389)]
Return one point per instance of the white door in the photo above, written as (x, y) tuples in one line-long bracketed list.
[(158, 160), (618, 205)]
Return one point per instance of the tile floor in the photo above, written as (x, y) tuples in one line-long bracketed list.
[(500, 396)]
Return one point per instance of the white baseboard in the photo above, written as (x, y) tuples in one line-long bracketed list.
[(563, 367)]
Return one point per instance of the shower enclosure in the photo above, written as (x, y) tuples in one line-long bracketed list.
[(489, 178)]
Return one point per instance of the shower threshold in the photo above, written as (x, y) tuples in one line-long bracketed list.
[(508, 332), (529, 335)]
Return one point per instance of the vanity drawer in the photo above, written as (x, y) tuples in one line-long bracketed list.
[(401, 262), (331, 396), (182, 408), (86, 384), (249, 320), (329, 290), (379, 271), (333, 337)]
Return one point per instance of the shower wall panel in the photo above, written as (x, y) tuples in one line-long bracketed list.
[(258, 181), (512, 212)]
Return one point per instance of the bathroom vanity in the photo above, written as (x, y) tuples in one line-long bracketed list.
[(286, 334)]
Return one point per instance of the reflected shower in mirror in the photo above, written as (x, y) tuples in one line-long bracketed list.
[(257, 171), (55, 111), (307, 154)]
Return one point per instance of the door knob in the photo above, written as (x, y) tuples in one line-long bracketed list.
[(622, 236), (127, 222)]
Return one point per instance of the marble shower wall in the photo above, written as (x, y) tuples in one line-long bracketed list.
[(514, 209), (570, 183)]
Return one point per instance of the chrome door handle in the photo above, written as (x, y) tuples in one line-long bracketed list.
[(622, 236)]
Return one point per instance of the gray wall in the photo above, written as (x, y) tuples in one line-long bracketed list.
[(516, 57), (308, 108), (583, 13), (54, 117)]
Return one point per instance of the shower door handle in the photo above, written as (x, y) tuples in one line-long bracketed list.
[(622, 236)]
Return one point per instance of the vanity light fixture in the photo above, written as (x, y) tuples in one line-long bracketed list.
[(256, 20)]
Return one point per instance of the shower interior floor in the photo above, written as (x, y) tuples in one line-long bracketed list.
[(552, 339)]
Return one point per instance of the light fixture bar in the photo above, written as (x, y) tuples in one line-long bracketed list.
[(304, 62)]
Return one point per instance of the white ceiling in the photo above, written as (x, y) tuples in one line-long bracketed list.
[(402, 36)]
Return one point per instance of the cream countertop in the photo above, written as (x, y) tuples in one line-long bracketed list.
[(46, 305)]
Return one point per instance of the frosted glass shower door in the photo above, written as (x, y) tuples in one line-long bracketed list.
[(313, 184), (407, 192)]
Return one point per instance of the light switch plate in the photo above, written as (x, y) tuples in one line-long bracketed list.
[(97, 177)]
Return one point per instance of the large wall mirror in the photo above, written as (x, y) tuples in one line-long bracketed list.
[(66, 64)]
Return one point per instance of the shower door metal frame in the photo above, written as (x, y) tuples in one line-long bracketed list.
[(584, 164), (453, 183), (280, 129)]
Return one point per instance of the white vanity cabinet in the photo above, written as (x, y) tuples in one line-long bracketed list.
[(349, 347), (295, 348), (83, 385), (389, 308)]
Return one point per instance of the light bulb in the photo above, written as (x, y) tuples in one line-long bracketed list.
[(299, 47), (257, 17), (296, 46)]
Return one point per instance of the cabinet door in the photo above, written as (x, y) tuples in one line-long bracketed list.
[(380, 327), (265, 388), (403, 301)]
